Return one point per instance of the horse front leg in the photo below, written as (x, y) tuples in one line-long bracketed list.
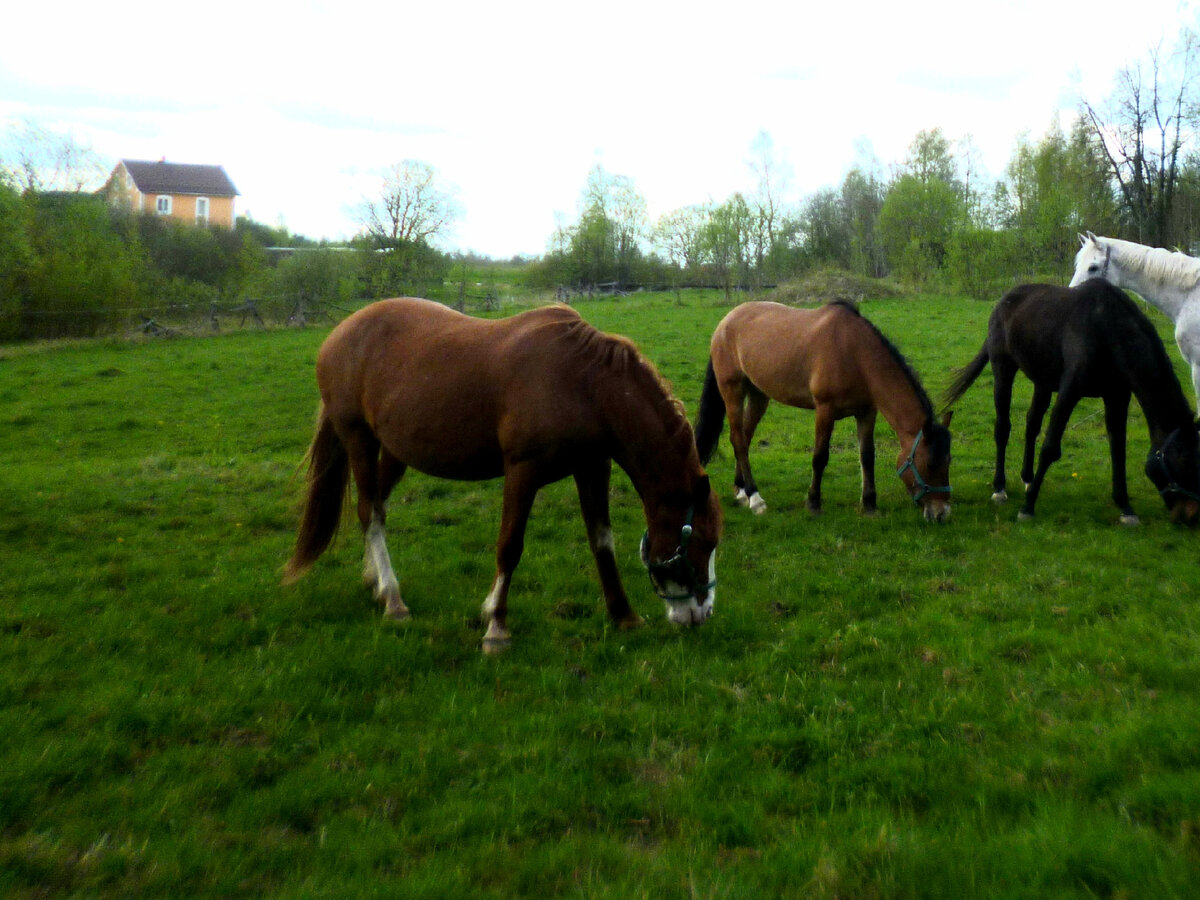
[(823, 433), (1033, 426), (866, 458), (1116, 417), (592, 485), (1068, 397), (520, 487)]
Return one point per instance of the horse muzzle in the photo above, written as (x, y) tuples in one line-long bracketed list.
[(690, 611), (936, 510)]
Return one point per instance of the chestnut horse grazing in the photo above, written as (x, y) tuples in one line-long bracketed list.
[(533, 398), (1087, 341), (831, 360)]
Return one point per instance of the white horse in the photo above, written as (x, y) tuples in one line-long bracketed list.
[(1168, 280)]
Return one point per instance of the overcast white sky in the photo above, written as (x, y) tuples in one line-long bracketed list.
[(305, 104)]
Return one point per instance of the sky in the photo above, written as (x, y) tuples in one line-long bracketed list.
[(307, 104)]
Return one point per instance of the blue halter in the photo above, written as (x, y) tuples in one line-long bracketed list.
[(1158, 459), (678, 568), (922, 485)]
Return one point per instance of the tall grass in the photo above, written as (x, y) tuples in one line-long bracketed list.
[(878, 707)]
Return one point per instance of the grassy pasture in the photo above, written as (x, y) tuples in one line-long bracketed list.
[(879, 707)]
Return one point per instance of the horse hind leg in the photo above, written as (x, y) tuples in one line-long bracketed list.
[(742, 425), (1003, 373), (374, 478), (520, 488), (1033, 427)]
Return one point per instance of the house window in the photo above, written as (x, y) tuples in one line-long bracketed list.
[(162, 205), (201, 209)]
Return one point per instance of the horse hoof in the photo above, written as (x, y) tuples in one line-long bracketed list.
[(758, 505), (493, 646), (1000, 497), (741, 498), (1023, 516), (630, 622), (397, 612), (1130, 521)]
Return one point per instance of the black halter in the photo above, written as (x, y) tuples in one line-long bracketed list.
[(923, 487), (1158, 461), (677, 568)]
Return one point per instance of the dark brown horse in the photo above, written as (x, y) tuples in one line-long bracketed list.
[(532, 398), (1086, 341), (831, 360)]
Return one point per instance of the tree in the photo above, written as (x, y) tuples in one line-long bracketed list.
[(930, 158), (915, 224), (38, 159), (862, 201), (410, 213), (823, 226), (765, 206), (1143, 130), (725, 241), (679, 235)]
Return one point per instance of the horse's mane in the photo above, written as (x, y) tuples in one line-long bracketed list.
[(897, 356), (602, 355), (1149, 362), (1156, 264)]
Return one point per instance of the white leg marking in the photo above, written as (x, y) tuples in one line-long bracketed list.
[(377, 565), (603, 540), (757, 504), (740, 496), (492, 599)]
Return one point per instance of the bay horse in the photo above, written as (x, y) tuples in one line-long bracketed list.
[(1168, 280), (834, 361), (1087, 341), (531, 398)]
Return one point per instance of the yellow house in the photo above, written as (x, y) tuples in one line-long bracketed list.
[(191, 193)]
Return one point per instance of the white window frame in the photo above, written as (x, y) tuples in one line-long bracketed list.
[(202, 203), (162, 204)]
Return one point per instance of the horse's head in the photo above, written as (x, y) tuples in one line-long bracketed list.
[(1094, 260), (679, 550), (1174, 467), (925, 469)]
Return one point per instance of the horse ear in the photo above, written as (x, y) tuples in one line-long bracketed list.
[(946, 417), (1092, 237), (1082, 240)]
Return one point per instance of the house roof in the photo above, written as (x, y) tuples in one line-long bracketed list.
[(164, 177)]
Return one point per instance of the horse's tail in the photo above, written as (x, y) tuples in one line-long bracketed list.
[(711, 418), (965, 377), (328, 478)]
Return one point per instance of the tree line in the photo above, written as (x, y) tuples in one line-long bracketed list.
[(1126, 166)]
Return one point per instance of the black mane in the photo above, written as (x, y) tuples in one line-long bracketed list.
[(905, 366)]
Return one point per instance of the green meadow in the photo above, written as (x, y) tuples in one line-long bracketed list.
[(879, 706)]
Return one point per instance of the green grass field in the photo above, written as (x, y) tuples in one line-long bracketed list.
[(879, 707)]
